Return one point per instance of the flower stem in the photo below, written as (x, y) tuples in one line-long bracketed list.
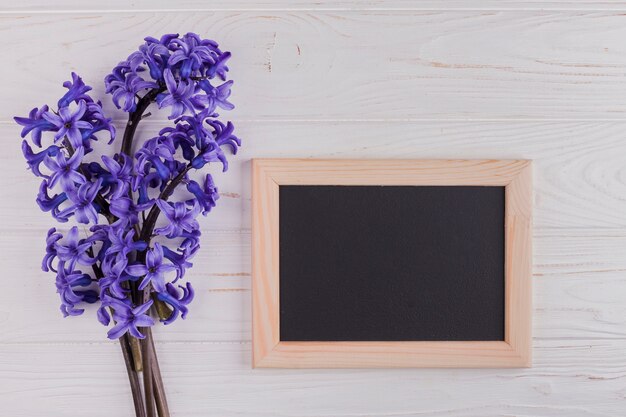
[(148, 225), (162, 309), (135, 348), (159, 389), (131, 360), (145, 358), (133, 379), (148, 382), (146, 352), (135, 117)]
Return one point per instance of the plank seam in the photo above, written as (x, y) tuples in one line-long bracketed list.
[(390, 120), (249, 342), (617, 7)]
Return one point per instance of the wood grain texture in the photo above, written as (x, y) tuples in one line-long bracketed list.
[(352, 65), (579, 174), (265, 263), (489, 172), (40, 6), (270, 352), (569, 378), (518, 264), (459, 354), (487, 79), (579, 290)]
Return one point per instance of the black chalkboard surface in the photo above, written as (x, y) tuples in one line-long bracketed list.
[(391, 263)]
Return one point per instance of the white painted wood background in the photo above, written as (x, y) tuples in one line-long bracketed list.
[(544, 80)]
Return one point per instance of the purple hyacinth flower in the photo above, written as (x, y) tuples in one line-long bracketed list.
[(117, 78), (67, 283), (35, 124), (120, 187), (189, 54), (209, 146), (126, 209), (83, 207), (65, 171), (74, 251), (215, 96), (125, 90), (120, 175), (208, 151), (165, 39), (77, 89), (141, 184), (47, 203), (220, 67), (224, 135), (191, 243), (99, 121), (179, 97), (181, 218), (180, 136), (177, 301), (153, 271), (51, 251), (99, 235), (34, 160), (207, 195), (154, 54), (113, 270), (151, 154), (94, 170), (180, 260), (122, 240), (69, 123), (128, 318)]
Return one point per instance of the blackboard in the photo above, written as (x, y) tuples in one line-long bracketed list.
[(392, 263)]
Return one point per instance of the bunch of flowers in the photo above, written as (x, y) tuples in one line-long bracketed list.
[(133, 269)]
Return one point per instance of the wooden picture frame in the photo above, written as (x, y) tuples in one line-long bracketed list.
[(270, 352)]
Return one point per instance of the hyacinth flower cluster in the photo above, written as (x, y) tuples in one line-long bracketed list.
[(117, 255)]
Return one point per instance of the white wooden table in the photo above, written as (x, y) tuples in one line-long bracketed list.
[(543, 80)]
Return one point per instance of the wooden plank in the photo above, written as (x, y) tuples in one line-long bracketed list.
[(332, 65), (570, 378), (40, 6), (265, 264), (306, 171), (518, 265), (577, 166), (578, 285), (438, 354)]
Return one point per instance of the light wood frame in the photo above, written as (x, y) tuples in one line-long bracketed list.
[(270, 352)]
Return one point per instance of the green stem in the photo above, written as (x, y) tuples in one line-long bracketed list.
[(162, 309), (135, 348)]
